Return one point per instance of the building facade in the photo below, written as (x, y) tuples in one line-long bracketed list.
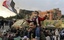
[(54, 14)]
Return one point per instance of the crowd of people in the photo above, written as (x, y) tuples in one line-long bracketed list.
[(34, 25), (6, 23), (51, 34), (34, 31), (24, 34)]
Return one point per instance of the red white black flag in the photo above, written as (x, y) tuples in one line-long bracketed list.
[(9, 4)]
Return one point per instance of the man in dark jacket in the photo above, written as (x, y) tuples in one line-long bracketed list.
[(2, 24), (37, 21)]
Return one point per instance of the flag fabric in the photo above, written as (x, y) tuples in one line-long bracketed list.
[(7, 3), (4, 4)]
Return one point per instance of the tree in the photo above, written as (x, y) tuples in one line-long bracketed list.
[(1, 17)]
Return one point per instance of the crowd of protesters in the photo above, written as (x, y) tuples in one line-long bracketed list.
[(51, 34), (46, 34), (33, 32), (6, 23), (34, 26)]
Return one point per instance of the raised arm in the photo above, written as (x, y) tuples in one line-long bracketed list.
[(42, 19)]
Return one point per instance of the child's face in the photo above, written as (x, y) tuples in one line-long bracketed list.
[(34, 14)]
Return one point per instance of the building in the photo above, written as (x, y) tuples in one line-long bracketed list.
[(54, 14)]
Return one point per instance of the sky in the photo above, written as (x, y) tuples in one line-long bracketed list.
[(42, 5)]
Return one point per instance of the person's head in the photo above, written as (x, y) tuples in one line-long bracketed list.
[(32, 25), (35, 13)]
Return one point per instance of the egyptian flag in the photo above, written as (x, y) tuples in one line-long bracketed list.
[(9, 4)]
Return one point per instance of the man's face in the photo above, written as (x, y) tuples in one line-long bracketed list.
[(31, 25)]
